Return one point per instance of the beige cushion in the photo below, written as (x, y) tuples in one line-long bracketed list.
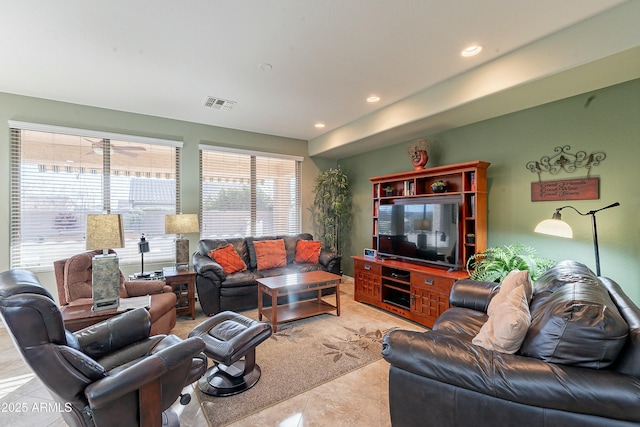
[(506, 328), (511, 281)]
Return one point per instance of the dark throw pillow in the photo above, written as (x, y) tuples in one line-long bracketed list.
[(576, 324)]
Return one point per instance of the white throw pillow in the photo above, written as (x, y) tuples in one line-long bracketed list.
[(506, 328), (514, 279)]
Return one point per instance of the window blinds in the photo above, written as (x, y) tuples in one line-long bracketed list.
[(246, 193), (59, 175)]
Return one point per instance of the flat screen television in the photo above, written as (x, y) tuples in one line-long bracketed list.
[(421, 229)]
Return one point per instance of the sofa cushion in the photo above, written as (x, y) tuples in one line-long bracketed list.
[(228, 258), (575, 324), (512, 281), (270, 254), (307, 251), (507, 325)]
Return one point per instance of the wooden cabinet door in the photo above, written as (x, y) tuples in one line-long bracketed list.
[(429, 296), (367, 281), (428, 304)]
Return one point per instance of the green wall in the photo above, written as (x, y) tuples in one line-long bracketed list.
[(21, 108), (609, 123)]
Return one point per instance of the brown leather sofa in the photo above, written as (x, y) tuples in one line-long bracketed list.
[(113, 373), (579, 363), (218, 291), (73, 280)]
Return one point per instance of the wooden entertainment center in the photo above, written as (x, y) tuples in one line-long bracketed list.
[(419, 291)]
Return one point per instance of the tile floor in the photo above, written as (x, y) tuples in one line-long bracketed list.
[(359, 398)]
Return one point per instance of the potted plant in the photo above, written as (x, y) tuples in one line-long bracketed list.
[(439, 186), (331, 209), (418, 153), (495, 263), (388, 190)]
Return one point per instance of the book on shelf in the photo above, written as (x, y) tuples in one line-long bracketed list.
[(472, 206)]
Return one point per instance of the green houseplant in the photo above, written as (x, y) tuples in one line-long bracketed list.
[(495, 263), (331, 209)]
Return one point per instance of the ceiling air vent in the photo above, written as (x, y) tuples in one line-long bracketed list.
[(219, 103)]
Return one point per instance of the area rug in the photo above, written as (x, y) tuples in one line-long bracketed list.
[(305, 354)]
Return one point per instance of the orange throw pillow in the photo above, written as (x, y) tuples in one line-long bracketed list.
[(228, 259), (307, 251), (270, 254)]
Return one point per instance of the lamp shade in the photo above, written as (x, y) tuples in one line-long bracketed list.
[(555, 227), (104, 231), (422, 224), (181, 224), (143, 245)]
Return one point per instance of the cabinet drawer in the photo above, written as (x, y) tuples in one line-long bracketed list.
[(432, 282), (368, 267)]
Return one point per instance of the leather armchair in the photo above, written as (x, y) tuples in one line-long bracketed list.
[(113, 373), (73, 280)]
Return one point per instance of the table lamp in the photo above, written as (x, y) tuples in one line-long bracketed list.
[(180, 224), (143, 247), (105, 231), (557, 227)]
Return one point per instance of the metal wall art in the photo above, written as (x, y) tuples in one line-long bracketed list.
[(586, 188)]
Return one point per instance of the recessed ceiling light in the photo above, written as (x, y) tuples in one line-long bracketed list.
[(319, 125), (373, 98), (472, 50), (265, 67)]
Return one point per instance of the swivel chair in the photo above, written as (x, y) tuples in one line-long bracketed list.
[(109, 374)]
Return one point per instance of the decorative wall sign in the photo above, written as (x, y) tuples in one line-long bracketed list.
[(566, 189)]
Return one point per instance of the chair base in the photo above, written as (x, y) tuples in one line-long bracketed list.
[(217, 381)]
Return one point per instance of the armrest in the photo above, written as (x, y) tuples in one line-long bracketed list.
[(130, 379), (331, 260), (137, 288), (473, 294), (114, 333), (205, 266)]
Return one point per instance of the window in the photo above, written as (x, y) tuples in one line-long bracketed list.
[(245, 193), (59, 175)]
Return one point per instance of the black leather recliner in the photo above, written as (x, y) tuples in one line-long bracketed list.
[(109, 374)]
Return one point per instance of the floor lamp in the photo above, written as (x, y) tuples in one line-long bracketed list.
[(105, 231), (181, 224), (557, 227)]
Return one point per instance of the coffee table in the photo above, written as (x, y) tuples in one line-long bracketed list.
[(292, 284)]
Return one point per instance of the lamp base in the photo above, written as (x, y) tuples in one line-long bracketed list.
[(182, 254), (105, 279)]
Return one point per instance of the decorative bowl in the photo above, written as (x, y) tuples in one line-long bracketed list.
[(438, 188)]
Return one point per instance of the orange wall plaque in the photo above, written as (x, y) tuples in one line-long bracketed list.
[(566, 189)]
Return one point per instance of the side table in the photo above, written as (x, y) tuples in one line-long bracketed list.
[(80, 316), (183, 283)]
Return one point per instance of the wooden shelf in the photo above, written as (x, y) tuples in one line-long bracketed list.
[(299, 310), (420, 292), (467, 180)]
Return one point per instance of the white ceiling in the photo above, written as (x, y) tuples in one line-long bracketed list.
[(164, 57)]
